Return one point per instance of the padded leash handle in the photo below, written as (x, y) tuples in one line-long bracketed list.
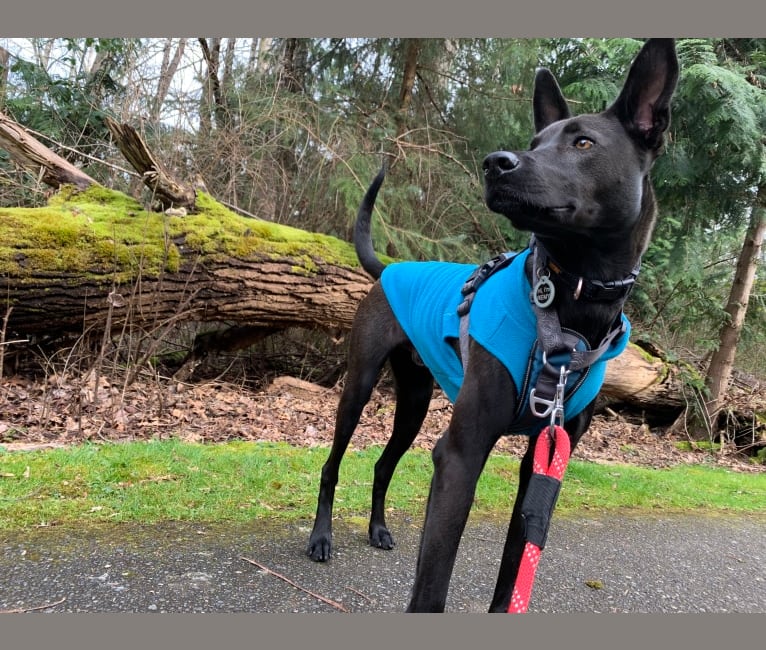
[(537, 509)]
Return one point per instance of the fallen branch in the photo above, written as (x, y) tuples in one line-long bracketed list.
[(359, 593), (28, 152), (2, 338), (164, 187), (23, 610), (332, 603)]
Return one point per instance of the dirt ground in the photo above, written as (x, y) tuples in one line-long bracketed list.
[(58, 411)]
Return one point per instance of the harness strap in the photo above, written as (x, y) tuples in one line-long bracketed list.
[(542, 394), (469, 289), (554, 340)]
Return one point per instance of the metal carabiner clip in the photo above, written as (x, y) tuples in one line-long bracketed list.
[(557, 410)]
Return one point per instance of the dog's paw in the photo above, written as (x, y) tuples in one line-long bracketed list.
[(380, 537), (319, 549)]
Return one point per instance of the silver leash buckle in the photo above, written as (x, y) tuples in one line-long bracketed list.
[(542, 407), (557, 410)]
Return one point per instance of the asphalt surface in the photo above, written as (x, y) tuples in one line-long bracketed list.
[(597, 564)]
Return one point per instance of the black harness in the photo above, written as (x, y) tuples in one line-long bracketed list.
[(558, 352)]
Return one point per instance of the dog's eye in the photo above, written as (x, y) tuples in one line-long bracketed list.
[(583, 143)]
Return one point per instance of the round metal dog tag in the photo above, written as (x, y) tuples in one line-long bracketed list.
[(544, 292)]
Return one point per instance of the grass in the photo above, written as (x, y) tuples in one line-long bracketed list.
[(238, 481)]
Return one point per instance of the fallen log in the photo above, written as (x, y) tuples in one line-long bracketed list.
[(645, 382), (96, 257)]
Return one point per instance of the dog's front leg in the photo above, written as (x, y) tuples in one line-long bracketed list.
[(482, 412), (515, 540)]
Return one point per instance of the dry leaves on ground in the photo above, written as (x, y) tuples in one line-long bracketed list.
[(59, 411)]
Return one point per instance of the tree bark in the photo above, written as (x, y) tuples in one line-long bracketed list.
[(42, 48), (28, 152), (258, 63), (228, 64), (294, 65), (212, 54), (292, 79), (263, 292), (722, 361)]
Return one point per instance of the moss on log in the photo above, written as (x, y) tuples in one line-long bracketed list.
[(97, 254)]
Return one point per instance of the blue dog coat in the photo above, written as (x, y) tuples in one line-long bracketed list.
[(425, 296)]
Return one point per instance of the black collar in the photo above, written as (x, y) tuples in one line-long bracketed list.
[(587, 289)]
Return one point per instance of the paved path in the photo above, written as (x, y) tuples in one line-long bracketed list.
[(646, 564)]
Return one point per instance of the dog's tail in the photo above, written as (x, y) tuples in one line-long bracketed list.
[(362, 235)]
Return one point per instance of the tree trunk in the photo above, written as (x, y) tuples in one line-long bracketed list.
[(212, 54), (295, 65), (259, 290), (167, 71), (97, 73), (42, 48), (228, 65), (722, 361), (28, 152), (252, 59), (294, 68), (258, 63), (409, 73), (4, 59)]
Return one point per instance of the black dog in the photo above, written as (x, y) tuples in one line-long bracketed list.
[(583, 190)]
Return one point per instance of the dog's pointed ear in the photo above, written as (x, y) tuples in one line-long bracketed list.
[(643, 105), (548, 103)]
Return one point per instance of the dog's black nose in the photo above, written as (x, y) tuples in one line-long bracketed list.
[(498, 163)]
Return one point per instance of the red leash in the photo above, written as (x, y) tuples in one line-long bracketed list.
[(538, 507)]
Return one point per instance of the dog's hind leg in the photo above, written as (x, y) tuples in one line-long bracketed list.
[(515, 541), (414, 387), (374, 334), (355, 396)]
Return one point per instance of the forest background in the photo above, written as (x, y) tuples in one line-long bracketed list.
[(292, 130)]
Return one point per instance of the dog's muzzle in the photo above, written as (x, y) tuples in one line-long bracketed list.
[(498, 163)]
